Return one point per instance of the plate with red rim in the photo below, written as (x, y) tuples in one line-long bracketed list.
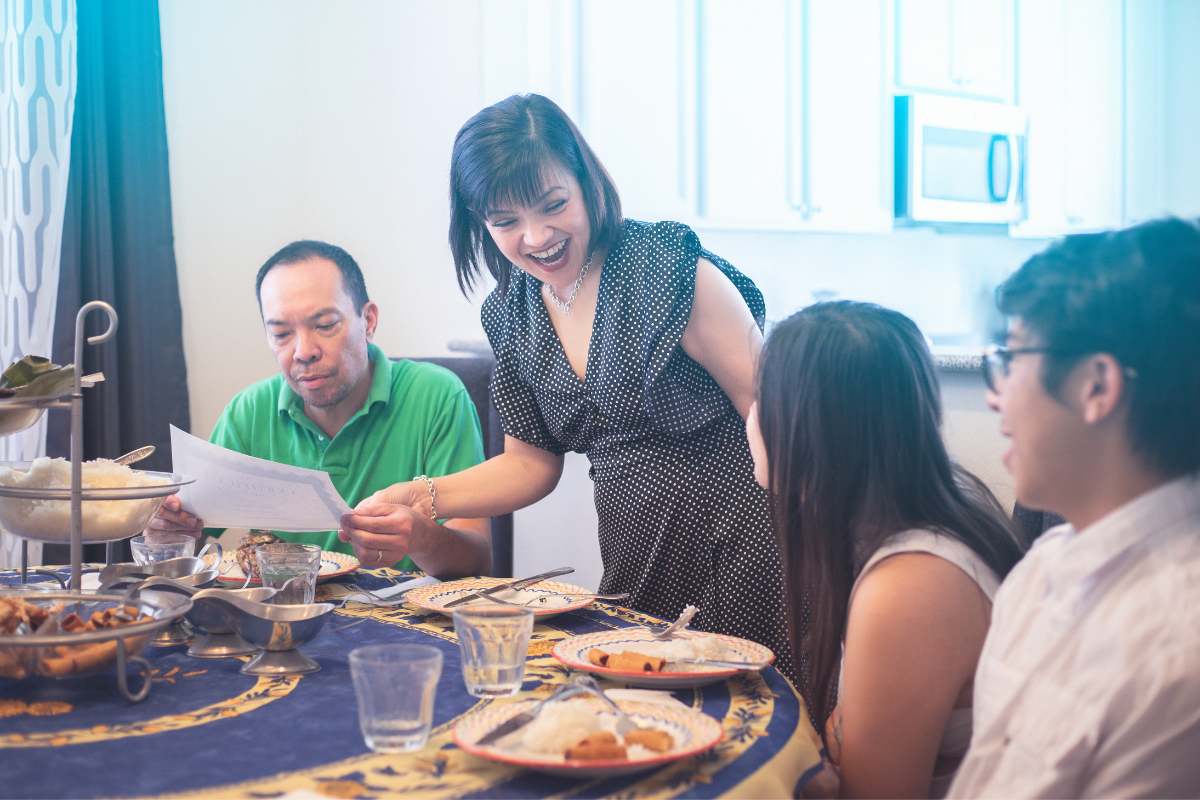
[(573, 653), (333, 565), (545, 599), (692, 732)]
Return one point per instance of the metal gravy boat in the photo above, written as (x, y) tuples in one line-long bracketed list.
[(215, 624), (277, 629)]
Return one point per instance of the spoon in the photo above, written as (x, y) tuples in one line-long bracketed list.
[(134, 456)]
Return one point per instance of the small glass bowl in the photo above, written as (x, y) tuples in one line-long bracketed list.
[(162, 547)]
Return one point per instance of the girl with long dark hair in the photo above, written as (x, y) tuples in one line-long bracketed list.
[(623, 340), (891, 550)]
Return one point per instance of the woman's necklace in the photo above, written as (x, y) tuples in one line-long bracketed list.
[(565, 305)]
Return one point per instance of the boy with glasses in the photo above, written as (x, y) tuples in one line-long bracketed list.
[(1089, 681)]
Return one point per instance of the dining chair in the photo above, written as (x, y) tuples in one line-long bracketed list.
[(475, 371)]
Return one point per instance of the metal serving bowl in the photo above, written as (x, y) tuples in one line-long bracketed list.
[(276, 629), (215, 624)]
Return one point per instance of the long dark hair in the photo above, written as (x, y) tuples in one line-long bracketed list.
[(850, 412), (501, 156)]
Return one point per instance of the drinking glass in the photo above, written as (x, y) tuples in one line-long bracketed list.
[(290, 567), (395, 685), (160, 547), (495, 643)]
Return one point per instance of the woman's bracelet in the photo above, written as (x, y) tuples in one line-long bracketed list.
[(432, 495)]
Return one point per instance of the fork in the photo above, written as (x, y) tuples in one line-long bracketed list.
[(675, 627), (625, 723)]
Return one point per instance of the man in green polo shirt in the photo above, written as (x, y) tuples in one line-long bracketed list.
[(341, 406)]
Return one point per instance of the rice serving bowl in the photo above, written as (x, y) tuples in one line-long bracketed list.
[(49, 520)]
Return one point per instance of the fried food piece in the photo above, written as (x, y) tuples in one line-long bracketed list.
[(14, 611), (73, 659), (597, 747), (245, 555), (651, 739), (12, 666), (628, 661)]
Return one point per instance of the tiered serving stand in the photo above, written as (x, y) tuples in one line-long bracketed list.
[(163, 608)]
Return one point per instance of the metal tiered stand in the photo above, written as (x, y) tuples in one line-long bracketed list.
[(162, 609)]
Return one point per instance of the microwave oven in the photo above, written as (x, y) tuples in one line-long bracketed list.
[(959, 161)]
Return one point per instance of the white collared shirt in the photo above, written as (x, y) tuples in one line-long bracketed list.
[(1089, 681)]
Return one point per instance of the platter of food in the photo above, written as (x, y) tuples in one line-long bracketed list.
[(237, 563), (118, 501), (545, 598), (688, 659), (580, 738), (62, 634)]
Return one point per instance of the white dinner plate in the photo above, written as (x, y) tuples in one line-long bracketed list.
[(333, 565), (692, 731), (573, 653)]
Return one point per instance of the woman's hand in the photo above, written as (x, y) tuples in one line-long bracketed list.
[(382, 532), (171, 518), (414, 494)]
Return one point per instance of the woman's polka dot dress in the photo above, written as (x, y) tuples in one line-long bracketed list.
[(681, 517)]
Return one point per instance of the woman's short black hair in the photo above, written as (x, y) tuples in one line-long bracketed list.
[(501, 156), (1134, 294), (307, 249)]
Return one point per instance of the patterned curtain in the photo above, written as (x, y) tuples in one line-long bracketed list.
[(37, 98)]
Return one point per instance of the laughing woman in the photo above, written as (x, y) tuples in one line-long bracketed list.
[(620, 339)]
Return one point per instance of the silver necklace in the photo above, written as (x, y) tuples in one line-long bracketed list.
[(565, 305)]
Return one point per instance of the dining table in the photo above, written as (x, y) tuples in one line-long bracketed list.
[(207, 730)]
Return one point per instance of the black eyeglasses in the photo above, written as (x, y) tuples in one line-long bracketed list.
[(997, 359)]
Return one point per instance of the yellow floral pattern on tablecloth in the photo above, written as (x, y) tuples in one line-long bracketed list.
[(265, 690)]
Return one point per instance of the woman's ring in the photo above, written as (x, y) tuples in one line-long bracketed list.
[(379, 558)]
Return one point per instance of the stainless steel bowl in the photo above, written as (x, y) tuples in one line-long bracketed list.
[(215, 624), (276, 629)]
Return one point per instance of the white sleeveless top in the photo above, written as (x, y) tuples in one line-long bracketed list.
[(957, 736)]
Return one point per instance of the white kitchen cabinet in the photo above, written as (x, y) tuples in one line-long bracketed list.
[(1069, 82), (637, 101), (962, 47), (795, 119)]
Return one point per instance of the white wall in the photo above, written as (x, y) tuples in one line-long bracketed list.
[(290, 119), (293, 119)]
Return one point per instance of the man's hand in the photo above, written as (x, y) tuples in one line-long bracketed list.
[(383, 532), (171, 518)]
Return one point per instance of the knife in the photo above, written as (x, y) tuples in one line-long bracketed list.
[(518, 721), (721, 663), (520, 583)]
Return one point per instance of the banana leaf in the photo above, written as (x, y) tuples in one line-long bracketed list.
[(25, 370)]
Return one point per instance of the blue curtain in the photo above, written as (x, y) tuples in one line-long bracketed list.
[(118, 240)]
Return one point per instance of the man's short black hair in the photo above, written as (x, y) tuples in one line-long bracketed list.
[(306, 249), (1134, 294)]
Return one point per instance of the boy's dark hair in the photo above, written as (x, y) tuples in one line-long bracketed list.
[(305, 249), (1134, 294), (500, 157)]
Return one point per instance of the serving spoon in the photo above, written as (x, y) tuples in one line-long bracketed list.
[(134, 456)]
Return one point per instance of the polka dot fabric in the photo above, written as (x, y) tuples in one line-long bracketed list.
[(681, 519)]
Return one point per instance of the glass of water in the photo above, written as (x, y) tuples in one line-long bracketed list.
[(151, 548), (395, 685), (290, 567), (495, 643)]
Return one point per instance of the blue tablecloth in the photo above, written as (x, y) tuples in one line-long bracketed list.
[(208, 729)]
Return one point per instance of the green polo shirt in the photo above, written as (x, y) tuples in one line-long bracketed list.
[(418, 420)]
